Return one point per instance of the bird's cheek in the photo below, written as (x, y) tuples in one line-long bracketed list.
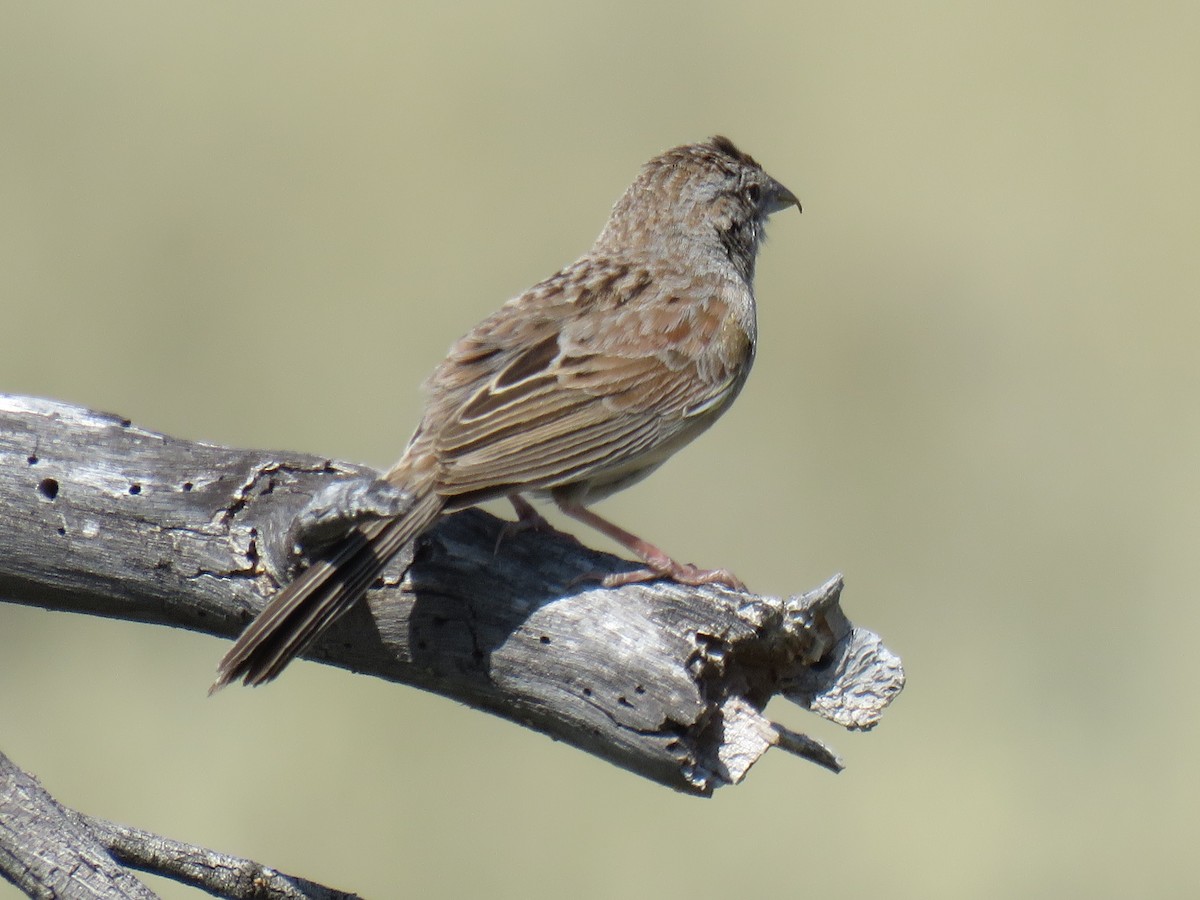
[(721, 220)]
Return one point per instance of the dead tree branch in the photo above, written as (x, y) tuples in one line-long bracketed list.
[(665, 680), (47, 850)]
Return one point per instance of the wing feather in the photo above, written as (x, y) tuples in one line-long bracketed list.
[(608, 383)]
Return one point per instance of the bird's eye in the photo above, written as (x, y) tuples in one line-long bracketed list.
[(754, 194)]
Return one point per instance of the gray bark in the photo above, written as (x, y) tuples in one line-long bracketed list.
[(47, 853), (50, 851), (666, 680)]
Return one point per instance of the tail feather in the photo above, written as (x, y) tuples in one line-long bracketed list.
[(298, 614)]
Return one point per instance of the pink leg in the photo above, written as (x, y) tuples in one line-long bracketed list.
[(527, 516), (528, 519), (660, 565)]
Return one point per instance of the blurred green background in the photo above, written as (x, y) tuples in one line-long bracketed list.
[(261, 224)]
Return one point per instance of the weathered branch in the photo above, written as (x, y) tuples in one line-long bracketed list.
[(665, 680), (47, 850)]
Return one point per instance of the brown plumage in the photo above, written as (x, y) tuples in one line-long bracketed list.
[(577, 388)]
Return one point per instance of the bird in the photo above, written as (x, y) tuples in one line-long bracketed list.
[(577, 388)]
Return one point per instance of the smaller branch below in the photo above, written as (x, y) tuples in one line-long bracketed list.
[(48, 850)]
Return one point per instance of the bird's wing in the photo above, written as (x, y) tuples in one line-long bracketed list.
[(572, 389)]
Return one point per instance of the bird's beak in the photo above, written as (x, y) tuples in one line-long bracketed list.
[(779, 198)]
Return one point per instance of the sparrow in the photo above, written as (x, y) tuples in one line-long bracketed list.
[(577, 388)]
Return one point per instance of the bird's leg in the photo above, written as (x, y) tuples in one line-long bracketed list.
[(660, 565), (528, 519), (527, 516)]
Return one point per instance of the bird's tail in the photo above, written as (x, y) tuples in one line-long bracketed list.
[(298, 614)]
